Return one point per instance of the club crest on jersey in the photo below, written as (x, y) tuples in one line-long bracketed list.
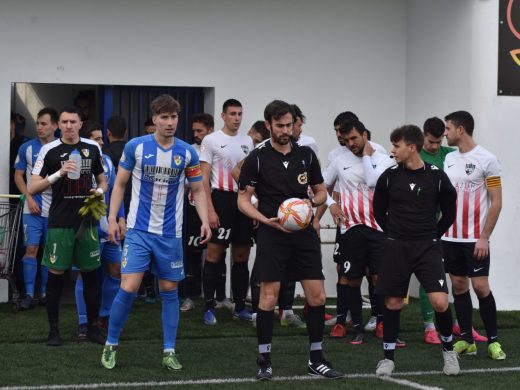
[(302, 178), (245, 149), (85, 152), (469, 168), (53, 258), (177, 160)]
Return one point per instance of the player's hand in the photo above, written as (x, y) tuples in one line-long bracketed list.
[(68, 166), (481, 249), (275, 223), (337, 214), (316, 225), (33, 206), (122, 228), (113, 231), (205, 234), (213, 219)]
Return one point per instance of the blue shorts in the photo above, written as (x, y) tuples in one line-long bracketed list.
[(34, 230), (165, 254), (109, 252)]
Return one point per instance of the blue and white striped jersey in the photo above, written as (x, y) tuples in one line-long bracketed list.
[(158, 183)]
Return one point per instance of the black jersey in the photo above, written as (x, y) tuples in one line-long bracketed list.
[(67, 194), (406, 202), (277, 177)]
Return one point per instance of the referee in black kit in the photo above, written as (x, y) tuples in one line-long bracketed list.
[(276, 171), (406, 199)]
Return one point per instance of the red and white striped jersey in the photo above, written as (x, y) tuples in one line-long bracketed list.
[(357, 177), (471, 174), (223, 152)]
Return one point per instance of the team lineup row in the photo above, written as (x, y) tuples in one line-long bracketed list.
[(392, 212)]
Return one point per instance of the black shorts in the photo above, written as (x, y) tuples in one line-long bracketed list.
[(287, 256), (459, 260), (193, 224), (360, 247), (402, 258), (336, 253), (235, 228)]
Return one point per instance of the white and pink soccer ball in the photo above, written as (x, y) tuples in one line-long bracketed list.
[(294, 214)]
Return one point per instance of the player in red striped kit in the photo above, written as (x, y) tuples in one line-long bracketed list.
[(475, 174)]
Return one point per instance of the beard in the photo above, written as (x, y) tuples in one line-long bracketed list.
[(282, 139)]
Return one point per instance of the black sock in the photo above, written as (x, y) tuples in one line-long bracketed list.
[(220, 286), (464, 312), (91, 294), (54, 290), (315, 326), (264, 332), (390, 332), (355, 306), (240, 280), (488, 313), (381, 307), (192, 270), (373, 298), (341, 304), (210, 279), (286, 296), (255, 292), (445, 326)]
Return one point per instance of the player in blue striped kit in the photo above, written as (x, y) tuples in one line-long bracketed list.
[(159, 164)]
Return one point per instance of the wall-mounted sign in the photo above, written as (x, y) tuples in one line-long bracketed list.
[(509, 48)]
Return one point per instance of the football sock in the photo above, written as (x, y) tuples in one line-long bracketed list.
[(30, 268), (488, 313), (464, 310), (264, 332), (315, 326), (210, 279), (54, 289), (255, 292), (193, 271), (341, 303), (44, 276), (445, 324), (108, 293), (80, 301), (354, 304), (390, 332), (373, 298), (240, 280), (91, 293), (220, 286), (381, 307), (286, 296), (170, 317), (426, 308), (119, 314)]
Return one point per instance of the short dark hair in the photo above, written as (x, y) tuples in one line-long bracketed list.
[(71, 110), (410, 134), (276, 109), (259, 127), (230, 103), (117, 126), (148, 122), (298, 113), (88, 127), (345, 117), (53, 114), (204, 118), (165, 103), (346, 127), (434, 126), (462, 118)]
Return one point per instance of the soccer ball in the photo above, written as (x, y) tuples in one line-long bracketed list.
[(294, 214)]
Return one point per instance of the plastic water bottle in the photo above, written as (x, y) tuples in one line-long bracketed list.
[(75, 156)]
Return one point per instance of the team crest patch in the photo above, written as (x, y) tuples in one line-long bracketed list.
[(85, 152), (302, 178), (470, 168), (124, 261), (177, 160), (245, 149)]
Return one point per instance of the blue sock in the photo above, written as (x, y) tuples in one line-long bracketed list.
[(80, 302), (108, 293), (119, 314), (170, 317), (30, 267), (44, 275)]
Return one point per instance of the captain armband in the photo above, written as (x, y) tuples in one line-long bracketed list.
[(493, 182)]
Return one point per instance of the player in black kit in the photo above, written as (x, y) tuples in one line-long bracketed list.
[(406, 199)]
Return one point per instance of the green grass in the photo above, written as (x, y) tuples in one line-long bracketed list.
[(229, 350)]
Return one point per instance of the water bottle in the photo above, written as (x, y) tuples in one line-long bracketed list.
[(75, 156)]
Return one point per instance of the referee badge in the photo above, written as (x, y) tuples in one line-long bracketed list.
[(302, 178)]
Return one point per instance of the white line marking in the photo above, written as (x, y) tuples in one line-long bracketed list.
[(408, 383), (244, 380)]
